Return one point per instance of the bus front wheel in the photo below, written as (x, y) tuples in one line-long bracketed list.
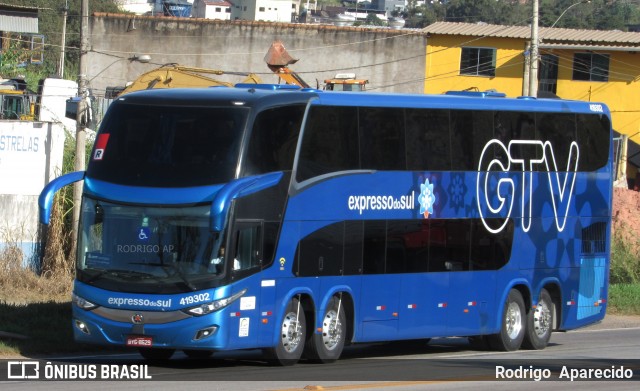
[(512, 329), (292, 335), (539, 323), (326, 346)]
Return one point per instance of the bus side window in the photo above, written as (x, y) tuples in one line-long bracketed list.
[(428, 140), (274, 138), (248, 244), (592, 133), (374, 246), (330, 142), (382, 138)]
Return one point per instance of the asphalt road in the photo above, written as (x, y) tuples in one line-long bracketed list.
[(449, 363)]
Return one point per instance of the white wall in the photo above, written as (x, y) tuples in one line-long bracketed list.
[(53, 102), (30, 157)]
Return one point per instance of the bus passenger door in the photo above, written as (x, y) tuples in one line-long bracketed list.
[(244, 261)]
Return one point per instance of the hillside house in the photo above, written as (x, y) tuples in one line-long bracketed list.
[(263, 10), (212, 9)]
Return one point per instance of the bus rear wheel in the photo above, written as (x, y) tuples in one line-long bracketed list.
[(539, 323), (292, 335), (326, 346), (512, 329)]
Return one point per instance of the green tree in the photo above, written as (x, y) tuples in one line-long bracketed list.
[(597, 14), (373, 20)]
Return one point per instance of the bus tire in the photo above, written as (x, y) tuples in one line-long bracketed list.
[(326, 347), (512, 328), (539, 323), (156, 354), (292, 335)]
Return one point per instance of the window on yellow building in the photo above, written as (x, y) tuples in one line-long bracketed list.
[(478, 62), (591, 67), (548, 73)]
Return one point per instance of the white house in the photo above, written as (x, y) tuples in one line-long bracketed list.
[(212, 9), (266, 10), (146, 7)]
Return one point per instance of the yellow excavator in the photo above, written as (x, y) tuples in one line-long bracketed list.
[(278, 60), (179, 76)]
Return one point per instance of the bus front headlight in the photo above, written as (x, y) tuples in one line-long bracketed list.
[(82, 302), (216, 305)]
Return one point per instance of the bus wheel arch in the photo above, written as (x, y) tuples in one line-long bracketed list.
[(512, 322), (556, 299)]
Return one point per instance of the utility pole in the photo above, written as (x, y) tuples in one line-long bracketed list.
[(533, 56), (64, 39), (527, 70), (81, 119)]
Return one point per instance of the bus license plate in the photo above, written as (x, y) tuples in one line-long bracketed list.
[(136, 340)]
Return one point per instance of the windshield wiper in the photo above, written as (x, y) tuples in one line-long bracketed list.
[(165, 266)]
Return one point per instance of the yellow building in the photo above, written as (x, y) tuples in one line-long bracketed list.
[(589, 65)]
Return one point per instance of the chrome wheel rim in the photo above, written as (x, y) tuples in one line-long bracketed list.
[(331, 330), (291, 332), (513, 321), (542, 319)]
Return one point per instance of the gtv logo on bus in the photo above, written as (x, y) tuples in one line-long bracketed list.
[(496, 190)]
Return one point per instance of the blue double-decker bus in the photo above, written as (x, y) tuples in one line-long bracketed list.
[(298, 221)]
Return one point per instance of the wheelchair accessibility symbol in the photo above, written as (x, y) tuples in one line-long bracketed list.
[(143, 234)]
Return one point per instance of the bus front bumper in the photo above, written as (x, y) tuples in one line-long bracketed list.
[(174, 330)]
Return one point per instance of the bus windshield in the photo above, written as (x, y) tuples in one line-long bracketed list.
[(168, 146), (148, 249)]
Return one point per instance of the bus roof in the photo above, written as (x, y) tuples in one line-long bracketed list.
[(459, 101), (270, 94), (243, 95)]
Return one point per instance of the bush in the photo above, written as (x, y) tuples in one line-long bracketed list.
[(625, 260)]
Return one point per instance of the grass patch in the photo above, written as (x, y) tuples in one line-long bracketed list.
[(45, 326), (624, 274), (624, 299)]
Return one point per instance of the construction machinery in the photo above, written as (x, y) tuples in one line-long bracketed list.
[(278, 60), (179, 76), (345, 82), (16, 102)]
